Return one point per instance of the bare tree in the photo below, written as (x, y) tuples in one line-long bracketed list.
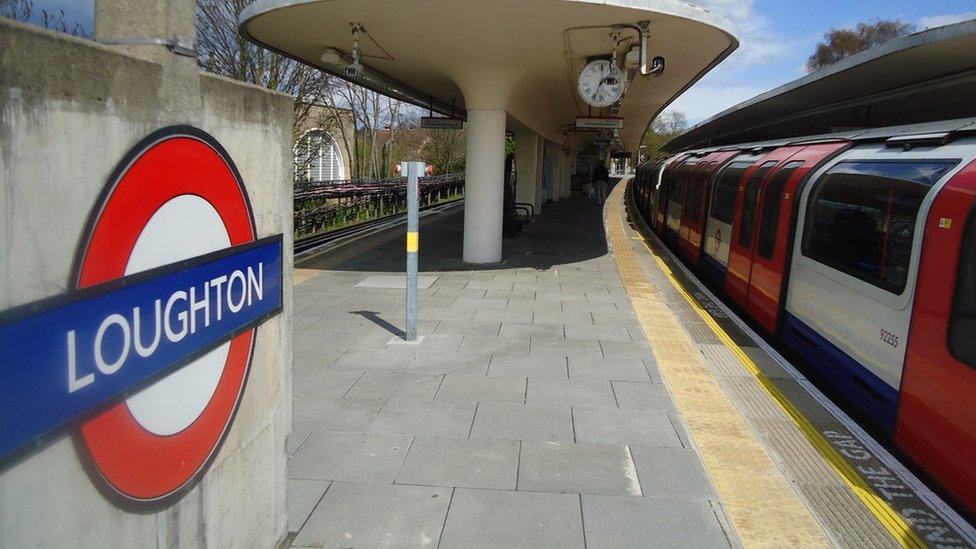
[(23, 10), (445, 150), (840, 43), (222, 50), (664, 128)]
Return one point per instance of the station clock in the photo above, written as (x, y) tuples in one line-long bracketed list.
[(601, 83)]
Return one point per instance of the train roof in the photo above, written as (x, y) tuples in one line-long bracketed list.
[(901, 135), (929, 75)]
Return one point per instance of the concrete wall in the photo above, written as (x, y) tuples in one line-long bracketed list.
[(69, 111)]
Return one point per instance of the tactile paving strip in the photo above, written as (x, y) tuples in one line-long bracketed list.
[(762, 506)]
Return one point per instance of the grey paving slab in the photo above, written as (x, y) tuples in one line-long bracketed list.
[(430, 343), (460, 292), (319, 414), (528, 366), (616, 369), (614, 522), (550, 346), (589, 307), (460, 327), (493, 519), (424, 418), (671, 472), (622, 349), (375, 384), (578, 468), (524, 304), (570, 392), (462, 463), (642, 396), (559, 316), (506, 315), (482, 389), (394, 281), (380, 359), (375, 515), (614, 426), (303, 496), (350, 456), (444, 313), (531, 329), (295, 440), (480, 303), (494, 345), (526, 422), (597, 332), (434, 363), (332, 382)]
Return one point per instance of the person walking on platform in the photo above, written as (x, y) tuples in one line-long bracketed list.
[(600, 178)]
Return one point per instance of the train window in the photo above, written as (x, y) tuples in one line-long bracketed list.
[(749, 204), (962, 322), (769, 218), (861, 217), (723, 193)]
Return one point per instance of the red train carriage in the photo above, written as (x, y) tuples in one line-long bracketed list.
[(856, 251)]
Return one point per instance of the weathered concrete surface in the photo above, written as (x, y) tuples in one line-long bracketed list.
[(69, 111)]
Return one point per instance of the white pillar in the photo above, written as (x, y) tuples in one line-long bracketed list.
[(528, 163), (483, 188)]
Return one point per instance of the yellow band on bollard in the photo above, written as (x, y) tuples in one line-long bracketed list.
[(413, 242)]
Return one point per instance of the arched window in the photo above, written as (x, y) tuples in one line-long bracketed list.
[(317, 157)]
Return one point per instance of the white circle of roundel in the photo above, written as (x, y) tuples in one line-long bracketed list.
[(184, 227)]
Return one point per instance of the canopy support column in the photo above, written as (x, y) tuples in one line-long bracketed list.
[(483, 188)]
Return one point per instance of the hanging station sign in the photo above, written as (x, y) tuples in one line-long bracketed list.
[(600, 123), (147, 356), (441, 123)]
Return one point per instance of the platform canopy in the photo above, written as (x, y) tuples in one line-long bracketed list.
[(521, 56)]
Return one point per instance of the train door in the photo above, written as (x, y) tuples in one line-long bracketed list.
[(775, 218), (936, 417), (677, 190), (698, 208), (692, 206), (661, 184), (740, 246), (720, 206)]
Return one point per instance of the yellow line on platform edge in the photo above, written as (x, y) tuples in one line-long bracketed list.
[(888, 517), (413, 241)]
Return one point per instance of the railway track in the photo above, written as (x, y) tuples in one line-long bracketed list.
[(309, 245)]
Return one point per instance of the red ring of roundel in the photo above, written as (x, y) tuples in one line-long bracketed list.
[(136, 463)]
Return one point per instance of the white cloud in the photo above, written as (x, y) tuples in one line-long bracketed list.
[(947, 19), (758, 45)]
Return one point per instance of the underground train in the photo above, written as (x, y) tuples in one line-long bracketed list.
[(856, 252)]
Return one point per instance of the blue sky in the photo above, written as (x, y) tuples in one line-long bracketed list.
[(777, 37)]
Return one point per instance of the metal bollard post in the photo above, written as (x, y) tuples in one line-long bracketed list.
[(413, 170)]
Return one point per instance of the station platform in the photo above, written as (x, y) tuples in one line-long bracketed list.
[(571, 396)]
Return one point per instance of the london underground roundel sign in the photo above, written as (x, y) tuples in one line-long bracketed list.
[(149, 354)]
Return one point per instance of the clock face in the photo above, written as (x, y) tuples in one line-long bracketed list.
[(601, 83)]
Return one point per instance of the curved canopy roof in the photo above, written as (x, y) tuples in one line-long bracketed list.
[(519, 55), (929, 75)]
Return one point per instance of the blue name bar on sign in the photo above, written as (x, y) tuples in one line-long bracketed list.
[(67, 357)]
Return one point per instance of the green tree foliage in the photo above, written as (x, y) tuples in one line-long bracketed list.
[(664, 128), (840, 43)]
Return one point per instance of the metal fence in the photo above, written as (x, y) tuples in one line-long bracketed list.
[(321, 206)]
